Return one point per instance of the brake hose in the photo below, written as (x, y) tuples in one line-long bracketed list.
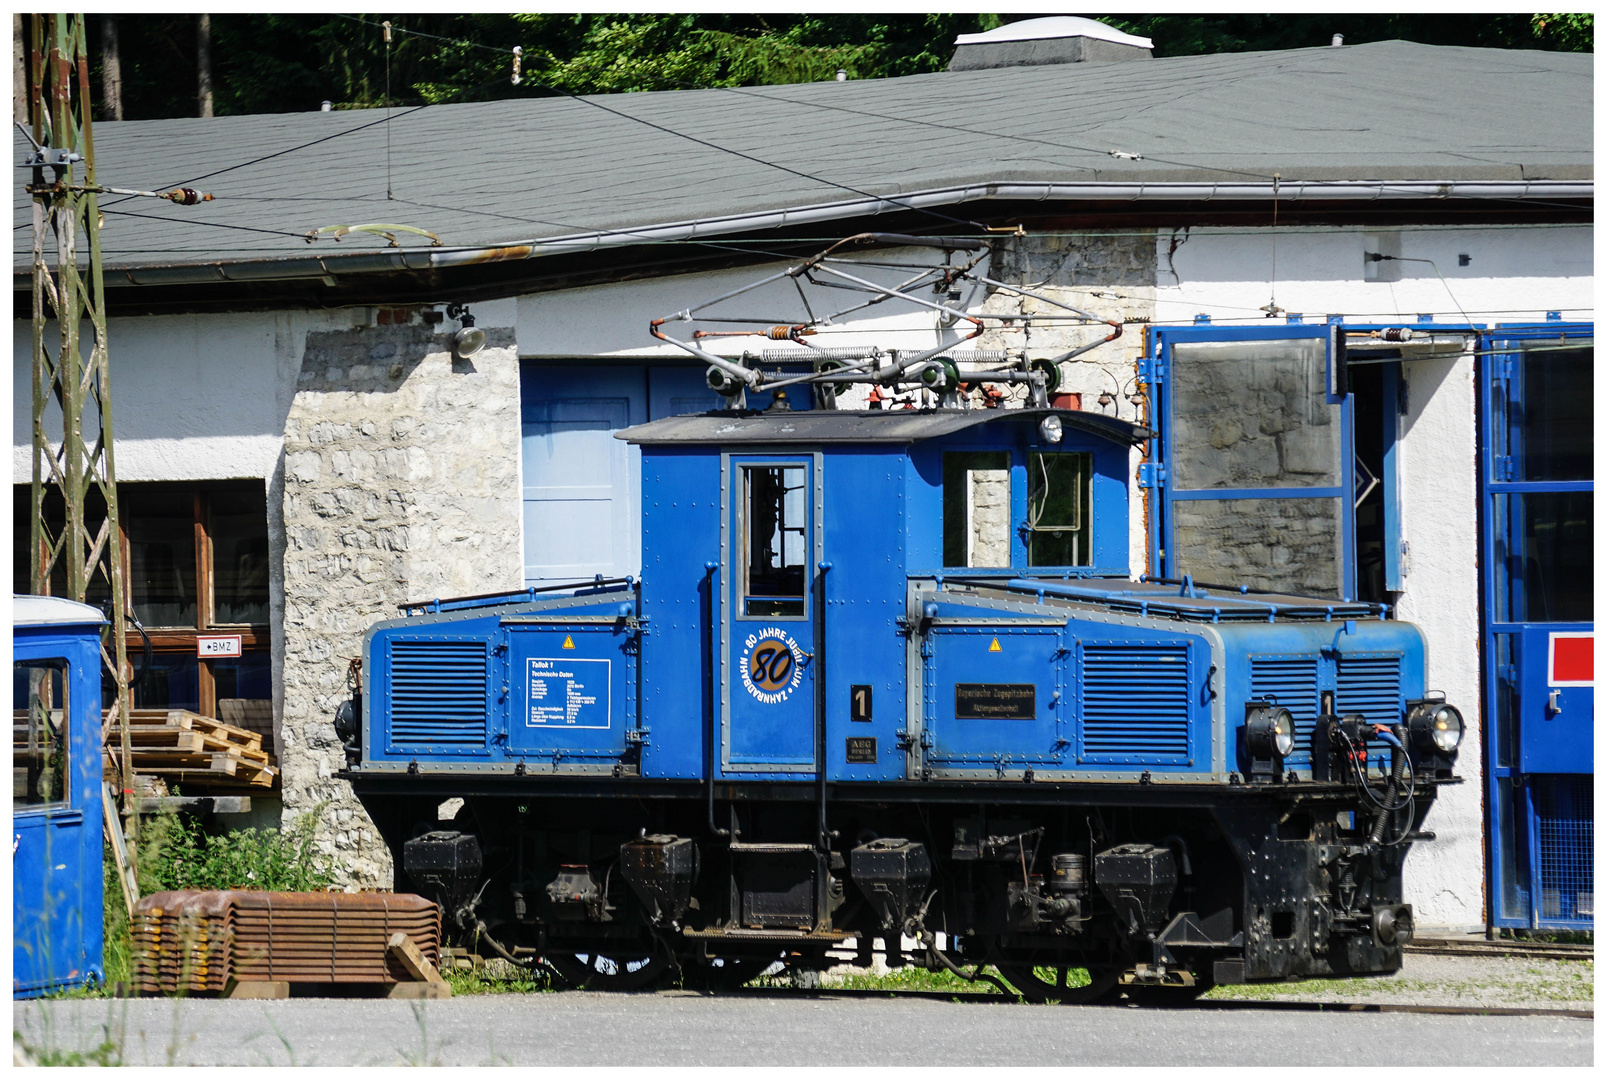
[(1400, 764)]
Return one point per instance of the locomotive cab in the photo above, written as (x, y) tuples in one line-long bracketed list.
[(887, 676)]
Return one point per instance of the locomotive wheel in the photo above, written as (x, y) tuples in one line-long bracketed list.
[(1101, 989), (611, 972)]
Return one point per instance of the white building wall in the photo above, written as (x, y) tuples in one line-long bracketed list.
[(1445, 879), (1512, 274), (194, 397)]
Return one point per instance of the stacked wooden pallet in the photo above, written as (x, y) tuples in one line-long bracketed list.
[(194, 753)]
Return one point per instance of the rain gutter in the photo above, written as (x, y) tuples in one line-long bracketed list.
[(329, 267)]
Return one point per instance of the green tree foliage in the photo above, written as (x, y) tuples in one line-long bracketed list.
[(1566, 33), (291, 63)]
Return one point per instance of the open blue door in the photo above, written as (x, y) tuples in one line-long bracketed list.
[(1254, 464), (1537, 485)]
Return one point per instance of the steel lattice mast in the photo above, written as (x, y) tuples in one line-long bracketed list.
[(77, 462)]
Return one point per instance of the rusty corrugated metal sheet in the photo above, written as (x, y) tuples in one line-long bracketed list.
[(196, 941)]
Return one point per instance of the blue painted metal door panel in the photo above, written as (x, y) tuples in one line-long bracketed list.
[(1556, 704), (573, 690), (994, 695), (769, 620), (681, 667), (47, 910)]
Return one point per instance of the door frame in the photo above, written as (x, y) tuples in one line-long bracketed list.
[(730, 464)]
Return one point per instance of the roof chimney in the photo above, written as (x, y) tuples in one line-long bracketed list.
[(1058, 39)]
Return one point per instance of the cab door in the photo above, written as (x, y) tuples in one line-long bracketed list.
[(55, 818), (770, 556)]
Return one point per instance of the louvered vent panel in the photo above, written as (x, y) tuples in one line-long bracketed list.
[(1135, 703), (1291, 683), (1370, 685), (438, 693)]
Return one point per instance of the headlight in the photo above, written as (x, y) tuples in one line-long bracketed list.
[(346, 721), (1436, 726), (1270, 732), (1050, 428)]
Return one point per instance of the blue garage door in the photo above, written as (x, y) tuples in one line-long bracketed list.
[(581, 515), (1535, 462)]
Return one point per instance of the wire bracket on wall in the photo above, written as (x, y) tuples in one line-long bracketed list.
[(779, 341)]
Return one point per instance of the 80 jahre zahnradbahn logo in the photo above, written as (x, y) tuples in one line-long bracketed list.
[(772, 665)]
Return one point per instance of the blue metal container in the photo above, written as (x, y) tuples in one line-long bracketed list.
[(56, 795)]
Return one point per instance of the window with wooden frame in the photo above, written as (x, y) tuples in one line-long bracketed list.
[(196, 561)]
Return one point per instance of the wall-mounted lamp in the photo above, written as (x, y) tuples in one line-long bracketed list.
[(469, 339)]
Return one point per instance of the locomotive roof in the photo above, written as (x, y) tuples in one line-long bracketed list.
[(855, 426)]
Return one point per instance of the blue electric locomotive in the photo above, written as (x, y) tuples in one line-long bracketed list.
[(885, 675)]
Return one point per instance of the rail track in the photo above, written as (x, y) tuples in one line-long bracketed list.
[(1482, 947)]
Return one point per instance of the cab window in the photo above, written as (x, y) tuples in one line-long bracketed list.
[(976, 508), (1059, 509), (40, 712), (775, 534)]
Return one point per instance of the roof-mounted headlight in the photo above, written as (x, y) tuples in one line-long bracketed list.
[(1436, 727)]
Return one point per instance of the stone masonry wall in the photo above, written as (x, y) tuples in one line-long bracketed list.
[(1110, 275), (400, 481)]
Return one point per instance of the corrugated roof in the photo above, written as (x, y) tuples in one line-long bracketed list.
[(900, 426), (510, 171)]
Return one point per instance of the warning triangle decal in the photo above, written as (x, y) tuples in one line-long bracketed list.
[(569, 642), (995, 646)]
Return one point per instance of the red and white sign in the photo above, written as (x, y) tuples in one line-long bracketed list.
[(218, 645), (1571, 659)]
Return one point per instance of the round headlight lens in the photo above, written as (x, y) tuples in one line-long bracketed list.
[(1446, 728), (1050, 428), (1283, 732), (1269, 732)]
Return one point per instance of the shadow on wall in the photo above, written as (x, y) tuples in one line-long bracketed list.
[(1126, 258), (1423, 380), (372, 359)]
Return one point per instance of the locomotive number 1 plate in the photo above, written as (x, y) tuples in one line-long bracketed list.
[(995, 701)]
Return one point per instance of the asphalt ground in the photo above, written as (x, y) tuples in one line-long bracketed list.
[(1489, 981), (769, 1029)]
